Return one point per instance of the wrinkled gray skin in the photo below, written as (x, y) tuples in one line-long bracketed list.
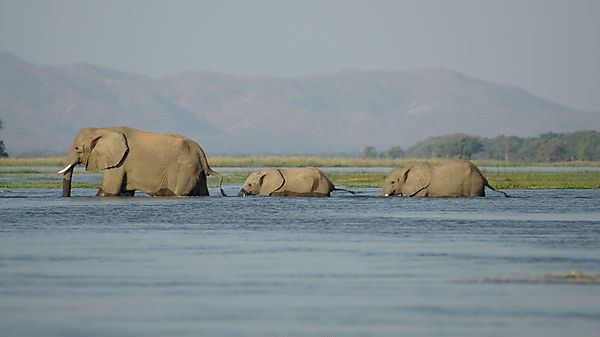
[(302, 182), (156, 164), (457, 178)]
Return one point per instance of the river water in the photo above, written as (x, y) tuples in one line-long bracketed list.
[(349, 265)]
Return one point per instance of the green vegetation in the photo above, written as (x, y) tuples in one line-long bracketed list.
[(580, 148), (3, 153), (17, 173), (12, 173), (459, 145), (574, 277), (47, 178), (52, 185), (543, 180), (357, 179), (500, 180), (547, 148), (350, 179)]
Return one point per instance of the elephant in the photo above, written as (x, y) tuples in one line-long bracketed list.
[(301, 182), (456, 178), (156, 164)]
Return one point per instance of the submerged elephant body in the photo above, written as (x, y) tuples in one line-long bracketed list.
[(457, 178), (302, 182), (156, 164)]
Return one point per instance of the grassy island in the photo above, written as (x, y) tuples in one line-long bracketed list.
[(41, 172)]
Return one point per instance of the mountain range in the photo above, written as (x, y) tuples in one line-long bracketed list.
[(42, 108)]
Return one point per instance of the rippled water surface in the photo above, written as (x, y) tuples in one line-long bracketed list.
[(341, 266)]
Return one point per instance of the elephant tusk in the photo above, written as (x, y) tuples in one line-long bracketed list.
[(65, 169), (386, 195)]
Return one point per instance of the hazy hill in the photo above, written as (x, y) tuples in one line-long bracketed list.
[(43, 107)]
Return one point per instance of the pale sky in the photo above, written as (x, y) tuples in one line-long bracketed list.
[(550, 48)]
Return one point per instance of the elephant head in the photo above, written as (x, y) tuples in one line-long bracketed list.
[(263, 183), (408, 180), (98, 149)]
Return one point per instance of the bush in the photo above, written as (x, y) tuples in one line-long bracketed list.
[(3, 153)]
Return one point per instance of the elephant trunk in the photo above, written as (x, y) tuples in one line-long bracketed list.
[(67, 176), (386, 191), (243, 193), (67, 173)]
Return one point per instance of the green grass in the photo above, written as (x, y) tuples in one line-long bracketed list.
[(353, 179), (357, 179), (50, 185), (13, 173), (544, 180), (22, 172), (500, 180)]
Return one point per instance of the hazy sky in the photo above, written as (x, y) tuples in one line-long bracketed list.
[(550, 48)]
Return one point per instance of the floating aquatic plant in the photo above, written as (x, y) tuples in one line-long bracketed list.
[(573, 277)]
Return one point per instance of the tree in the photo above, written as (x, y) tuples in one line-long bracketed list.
[(551, 150), (395, 152), (369, 152), (459, 145), (503, 148), (548, 147), (423, 148), (3, 153), (586, 145)]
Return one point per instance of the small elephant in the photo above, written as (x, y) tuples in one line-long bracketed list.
[(157, 164), (457, 178), (301, 182)]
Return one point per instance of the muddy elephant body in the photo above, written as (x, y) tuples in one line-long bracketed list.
[(457, 178), (130, 159), (301, 182)]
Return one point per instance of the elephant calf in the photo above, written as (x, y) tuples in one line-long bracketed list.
[(457, 178), (302, 182)]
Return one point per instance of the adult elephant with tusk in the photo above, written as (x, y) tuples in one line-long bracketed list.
[(300, 182), (456, 178), (156, 164)]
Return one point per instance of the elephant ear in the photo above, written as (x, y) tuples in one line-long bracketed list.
[(270, 182), (108, 150), (416, 179)]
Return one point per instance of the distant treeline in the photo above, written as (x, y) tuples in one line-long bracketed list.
[(548, 147), (3, 153)]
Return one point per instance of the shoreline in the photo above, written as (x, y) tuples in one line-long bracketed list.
[(505, 180)]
